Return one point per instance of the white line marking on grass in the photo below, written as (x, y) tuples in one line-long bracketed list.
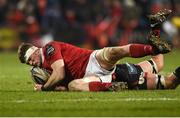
[(152, 99), (91, 99)]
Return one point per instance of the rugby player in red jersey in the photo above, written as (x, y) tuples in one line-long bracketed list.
[(67, 62)]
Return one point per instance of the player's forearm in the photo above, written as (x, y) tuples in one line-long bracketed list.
[(57, 75), (52, 81)]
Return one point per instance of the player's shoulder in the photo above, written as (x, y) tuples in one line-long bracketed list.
[(56, 43), (49, 48), (51, 43)]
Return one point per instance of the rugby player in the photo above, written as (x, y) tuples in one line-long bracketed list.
[(67, 62), (131, 77)]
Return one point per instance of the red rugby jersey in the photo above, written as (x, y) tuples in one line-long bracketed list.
[(75, 58)]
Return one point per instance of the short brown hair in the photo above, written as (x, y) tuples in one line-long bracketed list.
[(22, 51)]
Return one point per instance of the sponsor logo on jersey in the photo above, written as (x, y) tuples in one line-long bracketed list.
[(49, 50)]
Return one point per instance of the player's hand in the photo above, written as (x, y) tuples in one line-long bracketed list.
[(38, 87)]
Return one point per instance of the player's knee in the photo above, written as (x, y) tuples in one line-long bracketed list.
[(74, 85), (110, 54), (111, 51), (118, 52), (78, 85)]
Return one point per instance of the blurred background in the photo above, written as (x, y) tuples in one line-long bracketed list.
[(87, 23)]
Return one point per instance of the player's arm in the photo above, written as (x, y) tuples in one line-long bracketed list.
[(57, 75)]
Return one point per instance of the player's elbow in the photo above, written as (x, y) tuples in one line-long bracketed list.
[(72, 86)]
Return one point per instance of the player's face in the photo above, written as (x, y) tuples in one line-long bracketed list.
[(35, 59)]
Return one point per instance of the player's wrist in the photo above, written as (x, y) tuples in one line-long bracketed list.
[(43, 88)]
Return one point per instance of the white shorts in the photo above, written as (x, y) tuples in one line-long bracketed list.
[(94, 68)]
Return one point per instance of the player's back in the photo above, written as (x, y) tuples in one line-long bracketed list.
[(75, 58)]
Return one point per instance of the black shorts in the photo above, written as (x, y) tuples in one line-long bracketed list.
[(129, 73)]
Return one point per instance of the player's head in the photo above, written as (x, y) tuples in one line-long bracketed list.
[(29, 54)]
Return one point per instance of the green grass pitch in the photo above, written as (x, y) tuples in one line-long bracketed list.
[(17, 97)]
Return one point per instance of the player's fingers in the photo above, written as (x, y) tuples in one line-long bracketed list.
[(37, 85), (35, 88)]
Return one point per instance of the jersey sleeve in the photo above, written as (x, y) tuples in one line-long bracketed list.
[(52, 52)]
